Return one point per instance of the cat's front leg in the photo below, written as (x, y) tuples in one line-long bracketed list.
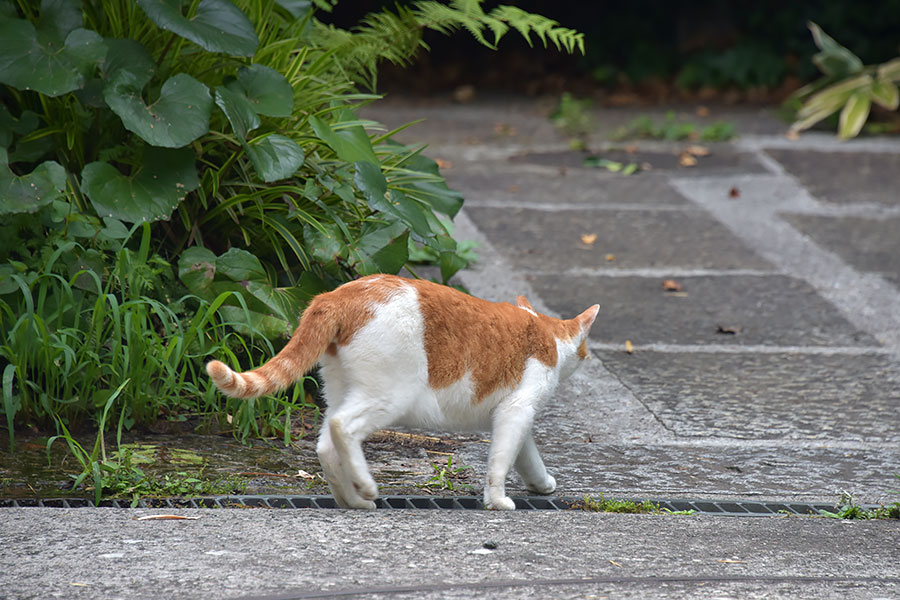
[(532, 470), (512, 423)]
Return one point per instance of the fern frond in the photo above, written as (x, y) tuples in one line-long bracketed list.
[(546, 29)]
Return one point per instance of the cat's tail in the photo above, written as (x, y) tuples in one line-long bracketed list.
[(316, 331)]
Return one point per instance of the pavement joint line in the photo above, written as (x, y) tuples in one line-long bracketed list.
[(560, 206), (817, 142), (654, 272), (647, 580), (742, 349)]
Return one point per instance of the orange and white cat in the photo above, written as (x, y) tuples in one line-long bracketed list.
[(396, 351)]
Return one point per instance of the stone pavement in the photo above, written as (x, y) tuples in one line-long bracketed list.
[(773, 373)]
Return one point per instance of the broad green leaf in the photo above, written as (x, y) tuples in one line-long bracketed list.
[(28, 193), (351, 144), (431, 187), (854, 115), (886, 94), (217, 26), (270, 311), (239, 111), (833, 59), (275, 157), (266, 89), (10, 127), (127, 64), (327, 245), (297, 8), (391, 257), (197, 270), (32, 61), (150, 195), (412, 213), (371, 182), (373, 239), (451, 263), (178, 117), (59, 18)]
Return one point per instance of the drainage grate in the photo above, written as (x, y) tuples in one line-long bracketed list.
[(729, 508)]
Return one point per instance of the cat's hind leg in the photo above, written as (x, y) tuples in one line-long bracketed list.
[(358, 417), (335, 474), (532, 470)]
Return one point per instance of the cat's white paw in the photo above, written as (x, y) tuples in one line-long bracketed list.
[(504, 503), (547, 487), (368, 490)]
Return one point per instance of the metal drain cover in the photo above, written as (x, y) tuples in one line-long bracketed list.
[(729, 508)]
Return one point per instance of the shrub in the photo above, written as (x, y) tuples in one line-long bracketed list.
[(179, 178)]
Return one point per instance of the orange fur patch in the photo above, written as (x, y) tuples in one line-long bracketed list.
[(492, 341)]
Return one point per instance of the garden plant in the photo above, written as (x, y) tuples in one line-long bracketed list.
[(178, 178)]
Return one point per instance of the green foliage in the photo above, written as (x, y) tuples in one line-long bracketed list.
[(671, 129), (178, 178), (848, 509), (573, 117), (447, 476), (745, 65), (847, 87)]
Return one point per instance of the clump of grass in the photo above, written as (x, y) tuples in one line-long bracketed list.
[(848, 509), (673, 130), (447, 476), (617, 505)]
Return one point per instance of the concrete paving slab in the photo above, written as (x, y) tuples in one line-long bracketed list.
[(697, 469), (844, 177), (725, 309), (723, 160), (505, 182), (762, 397), (546, 240), (871, 245), (99, 553)]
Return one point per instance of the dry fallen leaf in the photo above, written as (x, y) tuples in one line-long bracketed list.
[(513, 189), (304, 475), (610, 257), (734, 193), (728, 329), (588, 238), (463, 94), (629, 347), (687, 160), (631, 149), (443, 164), (697, 150), (562, 171), (670, 285), (792, 134), (166, 517), (702, 111)]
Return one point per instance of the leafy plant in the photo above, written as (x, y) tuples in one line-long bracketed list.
[(848, 87), (848, 509), (573, 117), (446, 476), (671, 129), (216, 136)]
